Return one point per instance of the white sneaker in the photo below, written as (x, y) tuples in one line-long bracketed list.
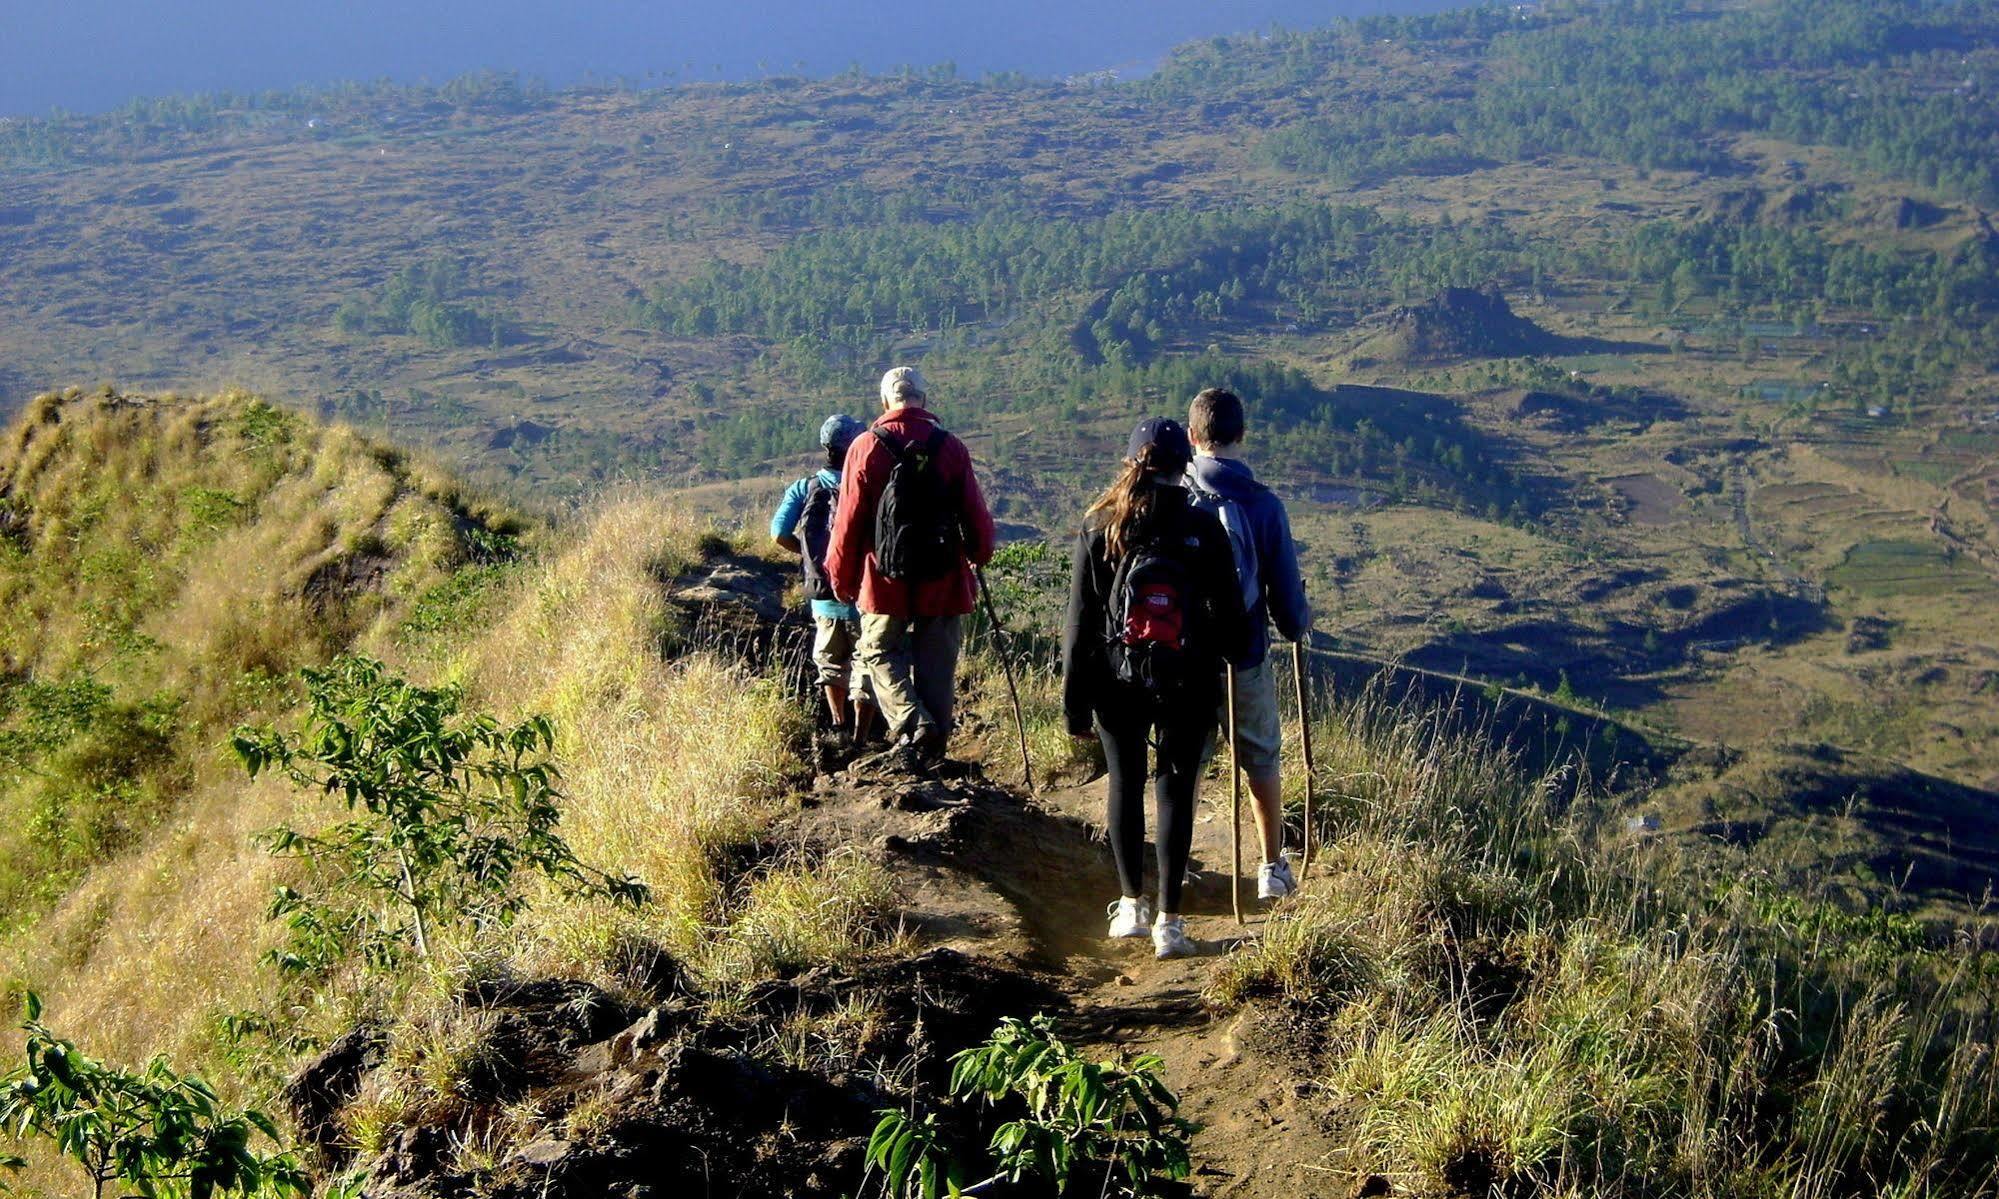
[(1130, 917), (1169, 938), (1273, 879)]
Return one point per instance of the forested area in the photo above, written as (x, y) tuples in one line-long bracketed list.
[(429, 301), (1164, 271), (1128, 288), (1910, 87), (1748, 264)]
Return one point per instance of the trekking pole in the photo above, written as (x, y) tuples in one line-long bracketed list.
[(1006, 665), (1235, 808), (1305, 739)]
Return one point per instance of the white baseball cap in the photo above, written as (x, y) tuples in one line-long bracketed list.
[(901, 375)]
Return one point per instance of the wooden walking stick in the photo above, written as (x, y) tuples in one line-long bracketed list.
[(1235, 808), (1006, 664), (1305, 739)]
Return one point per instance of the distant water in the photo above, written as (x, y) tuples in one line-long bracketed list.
[(89, 55)]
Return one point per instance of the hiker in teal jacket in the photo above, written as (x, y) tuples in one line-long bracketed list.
[(803, 524)]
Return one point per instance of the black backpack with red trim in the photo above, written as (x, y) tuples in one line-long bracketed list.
[(1151, 634)]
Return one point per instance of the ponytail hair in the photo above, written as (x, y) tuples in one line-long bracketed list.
[(1132, 499)]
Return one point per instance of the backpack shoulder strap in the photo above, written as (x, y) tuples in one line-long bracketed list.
[(1114, 597), (896, 445)]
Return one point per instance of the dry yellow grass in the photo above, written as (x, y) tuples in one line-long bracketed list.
[(667, 762), (672, 765), (1511, 998)]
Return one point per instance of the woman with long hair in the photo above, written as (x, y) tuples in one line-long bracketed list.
[(1154, 610)]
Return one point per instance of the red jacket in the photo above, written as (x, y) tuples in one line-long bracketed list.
[(850, 556)]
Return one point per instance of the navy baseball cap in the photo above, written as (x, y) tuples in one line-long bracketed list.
[(1166, 436)]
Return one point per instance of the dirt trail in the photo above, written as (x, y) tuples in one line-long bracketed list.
[(995, 875), (1023, 883)]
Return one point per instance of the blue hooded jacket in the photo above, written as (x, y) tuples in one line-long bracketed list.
[(1283, 600)]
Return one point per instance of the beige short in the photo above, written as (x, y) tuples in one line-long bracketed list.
[(1259, 736), (834, 656)]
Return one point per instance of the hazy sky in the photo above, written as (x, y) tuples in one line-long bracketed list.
[(93, 54)]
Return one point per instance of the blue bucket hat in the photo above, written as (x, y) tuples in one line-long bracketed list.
[(839, 432)]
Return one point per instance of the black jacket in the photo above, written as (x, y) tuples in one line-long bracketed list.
[(1087, 682)]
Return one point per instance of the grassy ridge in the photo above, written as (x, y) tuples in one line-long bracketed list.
[(167, 565), (1501, 991), (148, 940)]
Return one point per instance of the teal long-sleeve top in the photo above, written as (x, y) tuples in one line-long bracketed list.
[(790, 510)]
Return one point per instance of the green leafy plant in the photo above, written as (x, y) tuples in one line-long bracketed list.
[(1115, 1113), (912, 1157), (450, 810), (161, 1133)]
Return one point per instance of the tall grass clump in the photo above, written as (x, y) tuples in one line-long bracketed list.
[(1504, 993), (675, 758)]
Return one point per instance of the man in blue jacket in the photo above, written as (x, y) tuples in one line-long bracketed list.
[(803, 524), (1273, 593)]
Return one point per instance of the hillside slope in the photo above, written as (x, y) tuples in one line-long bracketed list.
[(1490, 980), (170, 564), (1744, 412), (166, 566)]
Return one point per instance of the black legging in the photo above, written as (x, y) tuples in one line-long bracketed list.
[(1182, 731)]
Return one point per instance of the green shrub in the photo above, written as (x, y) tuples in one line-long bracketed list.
[(1114, 1114), (162, 1133), (449, 808)]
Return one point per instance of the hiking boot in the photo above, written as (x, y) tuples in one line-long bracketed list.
[(832, 749), (929, 742), (1169, 938), (897, 757), (1130, 917), (1273, 879)]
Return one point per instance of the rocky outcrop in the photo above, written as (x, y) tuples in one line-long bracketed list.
[(663, 1100), (1459, 322), (315, 1095)]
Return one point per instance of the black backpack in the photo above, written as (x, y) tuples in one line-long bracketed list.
[(817, 533), (1150, 629), (917, 523)]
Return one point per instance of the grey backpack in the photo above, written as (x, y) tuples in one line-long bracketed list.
[(1242, 540)]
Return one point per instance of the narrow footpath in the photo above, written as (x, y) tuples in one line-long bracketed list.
[(997, 876)]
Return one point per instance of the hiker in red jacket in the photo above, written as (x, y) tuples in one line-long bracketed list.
[(911, 526)]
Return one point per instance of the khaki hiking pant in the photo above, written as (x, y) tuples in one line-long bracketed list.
[(913, 664)]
